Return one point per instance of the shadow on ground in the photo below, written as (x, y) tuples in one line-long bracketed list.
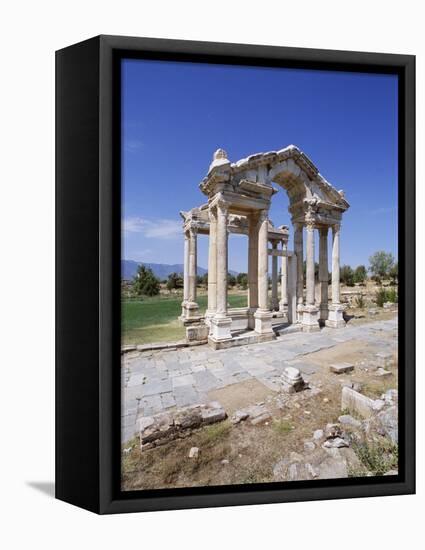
[(46, 487)]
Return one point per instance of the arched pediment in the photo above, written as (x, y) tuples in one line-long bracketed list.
[(289, 168)]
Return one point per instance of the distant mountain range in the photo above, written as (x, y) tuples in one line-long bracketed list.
[(129, 269)]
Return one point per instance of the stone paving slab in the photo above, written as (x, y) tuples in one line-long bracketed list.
[(160, 380)]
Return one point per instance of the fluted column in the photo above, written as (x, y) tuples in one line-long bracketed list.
[(192, 264), (185, 273), (263, 261), (263, 316), (275, 302), (222, 242), (335, 264), (310, 298), (212, 264), (336, 309), (284, 279), (298, 249), (220, 324), (253, 262), (310, 317), (323, 272)]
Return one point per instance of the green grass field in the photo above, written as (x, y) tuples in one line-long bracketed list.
[(155, 319)]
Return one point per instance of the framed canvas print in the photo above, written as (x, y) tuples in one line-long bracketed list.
[(235, 274)]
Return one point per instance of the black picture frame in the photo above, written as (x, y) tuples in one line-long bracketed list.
[(88, 273)]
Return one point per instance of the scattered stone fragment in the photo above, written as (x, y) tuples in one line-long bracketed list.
[(263, 418), (390, 397), (163, 427), (340, 368), (318, 434), (384, 359), (335, 443), (391, 473), (194, 452), (349, 420), (372, 312), (212, 413), (356, 402), (127, 450), (224, 461), (382, 372), (239, 416), (325, 400), (388, 420), (388, 305), (332, 430), (356, 386), (378, 404), (292, 381)]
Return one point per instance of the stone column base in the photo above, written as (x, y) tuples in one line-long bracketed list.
[(190, 313), (251, 318), (300, 311), (283, 307), (324, 313), (220, 329), (263, 321), (209, 314), (310, 320), (335, 318)]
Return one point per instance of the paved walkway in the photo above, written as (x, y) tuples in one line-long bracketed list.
[(155, 381)]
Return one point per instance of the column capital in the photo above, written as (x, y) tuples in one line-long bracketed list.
[(222, 204), (263, 215), (336, 227), (212, 213)]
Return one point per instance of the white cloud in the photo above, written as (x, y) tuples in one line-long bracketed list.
[(154, 228), (132, 145)]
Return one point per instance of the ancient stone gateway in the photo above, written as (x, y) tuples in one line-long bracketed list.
[(239, 196)]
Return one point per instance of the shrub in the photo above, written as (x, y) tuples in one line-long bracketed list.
[(347, 275), (383, 295), (392, 295), (360, 302), (360, 274)]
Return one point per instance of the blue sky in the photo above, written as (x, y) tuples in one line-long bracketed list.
[(175, 115)]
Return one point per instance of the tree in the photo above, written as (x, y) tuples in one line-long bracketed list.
[(242, 280), (346, 275), (394, 274), (231, 279), (145, 282), (380, 264), (360, 274), (175, 280)]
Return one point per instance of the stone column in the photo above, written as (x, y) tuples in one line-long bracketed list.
[(212, 265), (192, 308), (310, 311), (185, 275), (275, 302), (323, 272), (284, 279), (335, 264), (221, 323), (292, 289), (336, 310), (253, 262), (299, 252), (263, 316)]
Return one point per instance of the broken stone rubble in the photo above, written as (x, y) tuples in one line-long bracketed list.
[(164, 427)]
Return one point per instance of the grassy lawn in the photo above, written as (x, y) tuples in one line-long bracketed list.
[(155, 319)]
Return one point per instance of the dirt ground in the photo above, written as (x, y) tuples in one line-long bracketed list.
[(244, 453)]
